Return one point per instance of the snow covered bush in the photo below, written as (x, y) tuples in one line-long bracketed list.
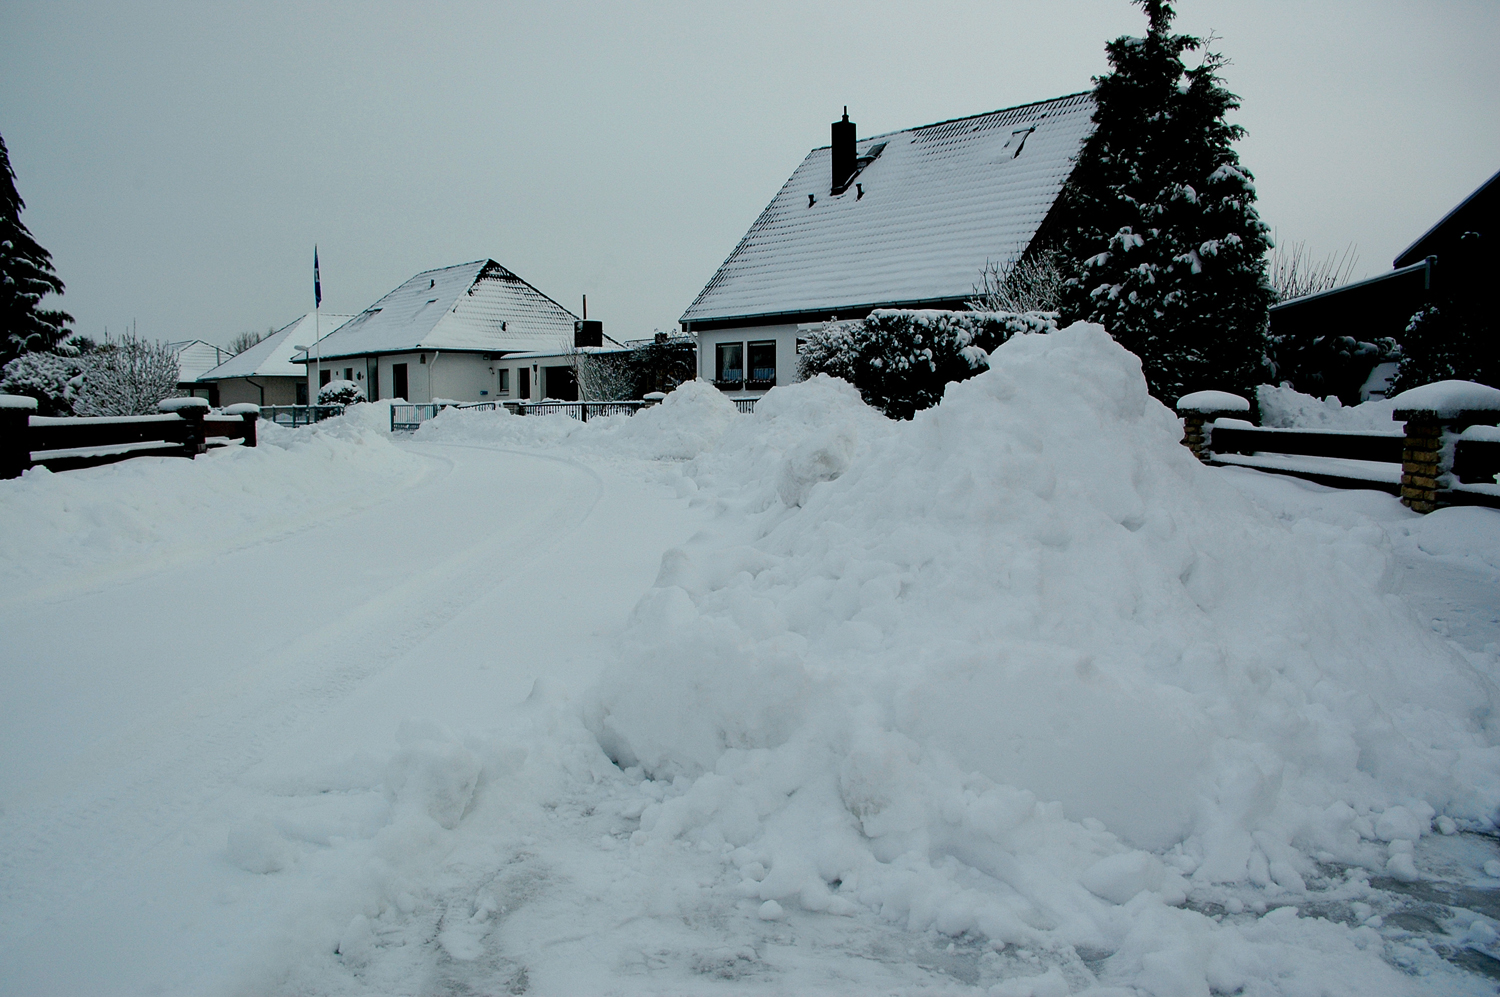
[(51, 379), (340, 392), (127, 376), (902, 360)]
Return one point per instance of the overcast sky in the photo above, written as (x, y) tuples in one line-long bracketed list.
[(180, 160)]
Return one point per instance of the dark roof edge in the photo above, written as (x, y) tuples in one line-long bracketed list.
[(1342, 288), (818, 314), (327, 357), (1445, 219), (968, 117)]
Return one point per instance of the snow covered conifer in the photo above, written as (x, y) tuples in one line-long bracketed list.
[(26, 276), (1159, 223)]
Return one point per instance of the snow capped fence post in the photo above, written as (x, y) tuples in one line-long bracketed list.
[(1199, 410), (1434, 415), (191, 411), (250, 412), (15, 441)]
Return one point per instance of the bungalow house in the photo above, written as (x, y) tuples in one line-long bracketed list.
[(1455, 258), (195, 358), (907, 219), (264, 374), (443, 335)]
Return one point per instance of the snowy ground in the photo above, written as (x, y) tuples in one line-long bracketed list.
[(327, 717)]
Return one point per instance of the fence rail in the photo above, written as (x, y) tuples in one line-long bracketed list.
[(67, 444), (293, 416), (1434, 459)]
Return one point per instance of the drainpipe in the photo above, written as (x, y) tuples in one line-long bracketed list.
[(430, 365), (258, 387)]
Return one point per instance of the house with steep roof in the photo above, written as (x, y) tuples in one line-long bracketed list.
[(907, 219), (442, 335), (265, 374)]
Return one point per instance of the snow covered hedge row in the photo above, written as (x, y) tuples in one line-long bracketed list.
[(902, 360)]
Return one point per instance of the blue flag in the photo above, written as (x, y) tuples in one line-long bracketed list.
[(317, 282)]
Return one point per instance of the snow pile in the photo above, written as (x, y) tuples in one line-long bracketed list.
[(1024, 668), (689, 421), (1286, 408), (54, 525)]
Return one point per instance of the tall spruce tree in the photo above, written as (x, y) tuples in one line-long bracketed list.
[(1159, 225), (26, 276)]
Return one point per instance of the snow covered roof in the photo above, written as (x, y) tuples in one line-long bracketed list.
[(195, 357), (930, 209), (272, 356), (479, 306)]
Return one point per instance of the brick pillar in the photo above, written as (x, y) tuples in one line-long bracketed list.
[(1193, 435), (1421, 461), (1198, 431)]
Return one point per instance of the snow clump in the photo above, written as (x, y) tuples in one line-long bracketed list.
[(1024, 660)]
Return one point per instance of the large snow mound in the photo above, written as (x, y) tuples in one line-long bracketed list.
[(953, 669), (130, 513)]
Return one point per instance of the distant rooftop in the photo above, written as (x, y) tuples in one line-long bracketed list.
[(917, 223), (474, 307), (272, 356)]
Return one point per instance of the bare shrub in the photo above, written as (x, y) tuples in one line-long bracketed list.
[(1294, 272), (128, 376), (1032, 283)]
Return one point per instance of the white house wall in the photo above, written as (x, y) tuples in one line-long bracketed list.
[(785, 337)]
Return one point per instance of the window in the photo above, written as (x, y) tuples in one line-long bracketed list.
[(348, 373), (505, 380), (324, 376), (398, 381), (729, 362), (763, 362)]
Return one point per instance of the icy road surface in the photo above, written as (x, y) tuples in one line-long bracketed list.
[(134, 708)]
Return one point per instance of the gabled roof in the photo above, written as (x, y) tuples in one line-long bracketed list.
[(1477, 212), (272, 356), (938, 202), (194, 357), (477, 307)]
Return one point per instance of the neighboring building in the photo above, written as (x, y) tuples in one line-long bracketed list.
[(1457, 258), (195, 358), (264, 374), (908, 219), (442, 334), (546, 374)]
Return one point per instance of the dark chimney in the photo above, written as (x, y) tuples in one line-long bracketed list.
[(588, 333), (843, 153)]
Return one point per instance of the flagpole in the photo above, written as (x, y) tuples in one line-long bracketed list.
[(317, 331)]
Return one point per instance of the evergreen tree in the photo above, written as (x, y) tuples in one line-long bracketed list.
[(1159, 226), (26, 276)]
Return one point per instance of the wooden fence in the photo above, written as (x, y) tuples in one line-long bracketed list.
[(185, 428), (1434, 459)]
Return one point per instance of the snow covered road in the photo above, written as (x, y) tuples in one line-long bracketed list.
[(135, 707), (692, 702)]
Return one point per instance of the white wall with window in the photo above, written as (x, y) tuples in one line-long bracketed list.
[(748, 361)]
